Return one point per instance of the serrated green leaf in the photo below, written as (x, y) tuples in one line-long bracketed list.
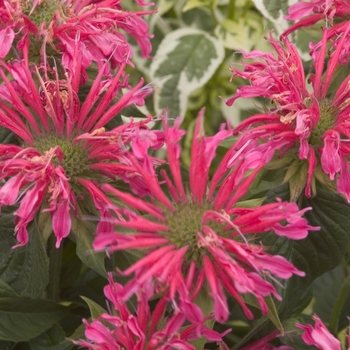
[(95, 309), (185, 60), (25, 269), (22, 318), (6, 291)]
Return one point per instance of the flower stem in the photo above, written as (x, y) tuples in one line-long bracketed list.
[(55, 257), (344, 292), (231, 9)]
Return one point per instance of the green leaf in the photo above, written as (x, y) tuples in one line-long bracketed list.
[(22, 318), (79, 333), (331, 304), (7, 136), (25, 269), (95, 309), (242, 34), (272, 314), (191, 4), (50, 340), (84, 239), (185, 60)]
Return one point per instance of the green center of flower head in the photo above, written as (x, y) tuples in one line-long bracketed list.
[(43, 12), (75, 159), (326, 122), (185, 223)]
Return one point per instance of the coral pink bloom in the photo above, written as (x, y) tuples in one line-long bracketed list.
[(326, 11), (91, 29), (64, 152), (145, 330), (196, 232), (318, 9), (303, 124), (319, 336)]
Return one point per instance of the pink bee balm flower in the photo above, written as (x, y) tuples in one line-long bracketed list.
[(196, 233), (303, 125), (319, 9), (324, 10), (65, 153), (319, 336), (145, 330), (90, 29)]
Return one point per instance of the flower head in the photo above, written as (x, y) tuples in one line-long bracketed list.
[(302, 124), (152, 330), (81, 32), (319, 335), (309, 13), (64, 152), (195, 235)]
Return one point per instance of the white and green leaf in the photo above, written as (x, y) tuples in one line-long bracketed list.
[(185, 60)]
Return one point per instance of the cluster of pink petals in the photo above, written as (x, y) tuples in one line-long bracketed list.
[(37, 179), (298, 111), (309, 13), (224, 261), (81, 32), (318, 8), (319, 336), (145, 330)]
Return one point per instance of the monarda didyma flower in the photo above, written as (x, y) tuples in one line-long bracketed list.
[(90, 29), (198, 234), (326, 12), (309, 129), (155, 330), (64, 152)]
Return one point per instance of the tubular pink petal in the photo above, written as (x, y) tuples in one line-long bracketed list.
[(172, 137), (61, 221), (198, 169), (152, 183), (135, 202), (149, 259), (105, 101)]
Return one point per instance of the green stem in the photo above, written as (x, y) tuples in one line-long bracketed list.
[(231, 9), (55, 257), (344, 292), (212, 11)]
